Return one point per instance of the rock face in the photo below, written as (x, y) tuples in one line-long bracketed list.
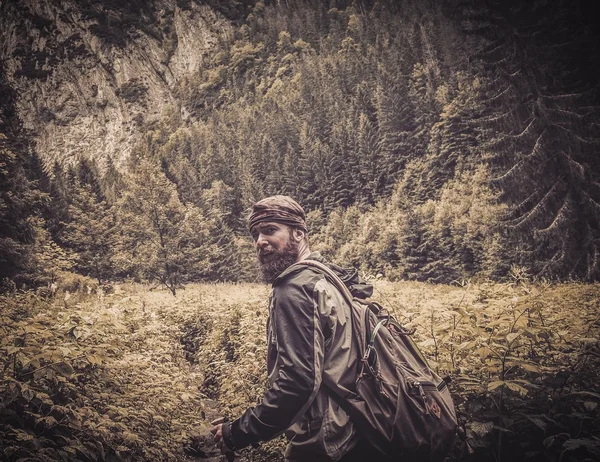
[(89, 73)]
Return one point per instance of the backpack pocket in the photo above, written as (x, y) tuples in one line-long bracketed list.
[(424, 421)]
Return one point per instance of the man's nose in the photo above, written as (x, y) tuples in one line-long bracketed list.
[(261, 241)]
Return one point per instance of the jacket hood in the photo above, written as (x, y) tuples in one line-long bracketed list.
[(359, 288)]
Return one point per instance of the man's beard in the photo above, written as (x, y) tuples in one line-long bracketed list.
[(279, 261)]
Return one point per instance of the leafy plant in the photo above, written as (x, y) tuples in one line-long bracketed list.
[(136, 374), (520, 369)]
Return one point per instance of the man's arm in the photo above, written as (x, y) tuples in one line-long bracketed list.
[(300, 345)]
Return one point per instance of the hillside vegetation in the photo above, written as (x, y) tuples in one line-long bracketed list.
[(430, 141), (137, 374), (449, 150)]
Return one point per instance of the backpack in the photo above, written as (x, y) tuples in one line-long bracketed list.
[(402, 407)]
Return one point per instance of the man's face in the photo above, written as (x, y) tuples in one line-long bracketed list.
[(276, 249)]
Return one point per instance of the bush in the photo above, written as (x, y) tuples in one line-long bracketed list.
[(108, 379), (75, 283), (79, 384)]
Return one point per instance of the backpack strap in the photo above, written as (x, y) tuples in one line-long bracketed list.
[(343, 289), (363, 334), (334, 278)]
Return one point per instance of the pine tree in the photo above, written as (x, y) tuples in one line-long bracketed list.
[(396, 121), (111, 182), (56, 211), (544, 98), (20, 199), (454, 144), (370, 158), (90, 233), (357, 102), (88, 173)]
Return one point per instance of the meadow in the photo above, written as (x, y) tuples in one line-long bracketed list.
[(134, 373)]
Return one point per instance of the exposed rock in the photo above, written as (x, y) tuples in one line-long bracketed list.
[(89, 72)]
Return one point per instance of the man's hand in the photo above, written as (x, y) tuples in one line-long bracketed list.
[(217, 431)]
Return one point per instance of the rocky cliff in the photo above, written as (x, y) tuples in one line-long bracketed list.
[(89, 73)]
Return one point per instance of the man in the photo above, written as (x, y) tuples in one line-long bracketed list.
[(311, 350)]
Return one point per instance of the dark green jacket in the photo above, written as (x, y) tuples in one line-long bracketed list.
[(311, 350)]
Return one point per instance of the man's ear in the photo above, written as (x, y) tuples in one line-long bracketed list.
[(298, 234)]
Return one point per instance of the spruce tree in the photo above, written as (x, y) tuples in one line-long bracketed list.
[(542, 88), (20, 199), (90, 233)]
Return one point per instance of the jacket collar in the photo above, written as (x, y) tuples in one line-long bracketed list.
[(293, 268), (357, 285)]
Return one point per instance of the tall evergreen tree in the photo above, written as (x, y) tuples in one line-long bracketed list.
[(20, 198), (543, 90), (57, 208), (88, 173), (90, 233), (111, 182)]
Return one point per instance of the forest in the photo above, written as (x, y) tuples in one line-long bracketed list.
[(447, 150), (428, 141)]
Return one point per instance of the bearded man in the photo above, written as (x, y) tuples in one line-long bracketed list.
[(312, 355)]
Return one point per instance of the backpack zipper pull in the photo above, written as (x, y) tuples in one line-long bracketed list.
[(423, 395)]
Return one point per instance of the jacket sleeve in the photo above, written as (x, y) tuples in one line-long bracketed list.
[(298, 366)]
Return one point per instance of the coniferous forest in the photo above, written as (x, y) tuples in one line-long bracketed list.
[(449, 150), (429, 141)]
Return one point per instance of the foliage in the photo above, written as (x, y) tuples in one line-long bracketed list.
[(166, 241), (135, 374), (75, 371), (524, 374), (20, 197), (540, 124), (453, 237), (49, 258), (521, 365), (356, 105), (91, 234), (409, 128)]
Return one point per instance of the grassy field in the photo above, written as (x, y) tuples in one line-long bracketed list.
[(137, 374)]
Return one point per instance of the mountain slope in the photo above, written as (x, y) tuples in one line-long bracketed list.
[(89, 73)]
